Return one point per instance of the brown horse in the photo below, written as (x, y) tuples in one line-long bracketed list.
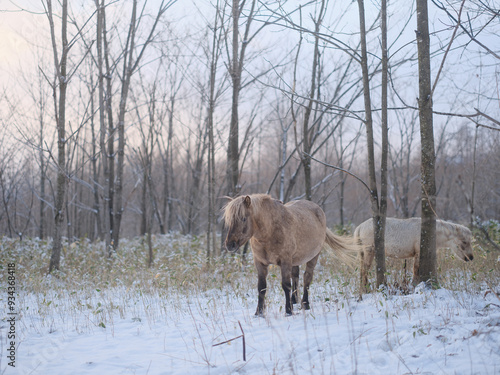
[(402, 240), (284, 234)]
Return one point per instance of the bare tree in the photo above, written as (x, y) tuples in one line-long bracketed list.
[(403, 171), (345, 160), (175, 78), (213, 54), (380, 252), (236, 64), (129, 66), (94, 156), (11, 180), (427, 259), (39, 96), (378, 206), (195, 160), (41, 144), (307, 129), (60, 80), (149, 128), (106, 143)]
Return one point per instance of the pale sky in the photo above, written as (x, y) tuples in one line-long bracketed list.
[(20, 30), (25, 38)]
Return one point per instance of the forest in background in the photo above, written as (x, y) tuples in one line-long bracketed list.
[(170, 107)]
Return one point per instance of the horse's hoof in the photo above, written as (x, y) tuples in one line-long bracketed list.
[(288, 313), (259, 314), (306, 306)]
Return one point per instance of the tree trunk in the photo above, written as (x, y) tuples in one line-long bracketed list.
[(167, 207), (106, 138), (169, 179), (97, 226), (41, 228), (144, 207), (196, 173), (378, 222), (126, 76), (212, 217), (473, 186), (235, 72), (308, 132), (212, 248), (61, 133), (427, 260), (380, 254), (284, 137)]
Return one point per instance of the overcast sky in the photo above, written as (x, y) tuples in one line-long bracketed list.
[(24, 30)]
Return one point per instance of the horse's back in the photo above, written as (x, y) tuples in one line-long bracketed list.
[(401, 235), (308, 229), (306, 212)]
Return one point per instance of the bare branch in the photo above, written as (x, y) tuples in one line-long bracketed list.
[(343, 170), (447, 49)]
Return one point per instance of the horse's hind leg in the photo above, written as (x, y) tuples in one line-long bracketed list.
[(367, 256), (261, 287), (295, 284), (286, 275), (308, 276)]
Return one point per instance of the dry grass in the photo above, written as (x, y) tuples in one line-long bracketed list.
[(91, 284), (92, 294)]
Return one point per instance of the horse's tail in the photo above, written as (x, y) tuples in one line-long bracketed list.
[(345, 248)]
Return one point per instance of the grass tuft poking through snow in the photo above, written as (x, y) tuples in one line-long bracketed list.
[(120, 317)]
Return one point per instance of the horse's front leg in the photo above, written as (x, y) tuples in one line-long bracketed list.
[(416, 266), (261, 287), (286, 275), (295, 284)]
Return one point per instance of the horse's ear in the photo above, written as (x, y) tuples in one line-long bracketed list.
[(247, 201)]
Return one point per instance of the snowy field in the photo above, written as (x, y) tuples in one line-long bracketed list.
[(131, 320)]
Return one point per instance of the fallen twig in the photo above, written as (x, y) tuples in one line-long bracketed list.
[(234, 338), (244, 345)]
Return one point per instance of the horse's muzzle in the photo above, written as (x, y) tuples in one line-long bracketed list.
[(468, 257), (232, 246)]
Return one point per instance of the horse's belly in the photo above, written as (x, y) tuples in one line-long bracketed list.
[(302, 257), (295, 255), (399, 252), (399, 248)]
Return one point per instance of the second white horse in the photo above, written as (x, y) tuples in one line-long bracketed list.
[(402, 240)]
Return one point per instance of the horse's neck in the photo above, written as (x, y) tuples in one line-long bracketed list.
[(444, 233), (262, 223)]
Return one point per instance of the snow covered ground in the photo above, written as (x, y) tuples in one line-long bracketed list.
[(428, 332), (168, 319)]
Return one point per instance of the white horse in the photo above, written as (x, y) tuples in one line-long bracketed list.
[(402, 240)]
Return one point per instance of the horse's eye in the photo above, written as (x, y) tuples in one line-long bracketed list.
[(244, 219)]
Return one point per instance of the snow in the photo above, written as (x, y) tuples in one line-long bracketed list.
[(128, 319), (133, 331)]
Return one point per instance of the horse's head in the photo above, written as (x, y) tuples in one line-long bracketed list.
[(238, 221), (462, 243)]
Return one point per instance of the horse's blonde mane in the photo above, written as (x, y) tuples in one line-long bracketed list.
[(450, 227), (236, 209)]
